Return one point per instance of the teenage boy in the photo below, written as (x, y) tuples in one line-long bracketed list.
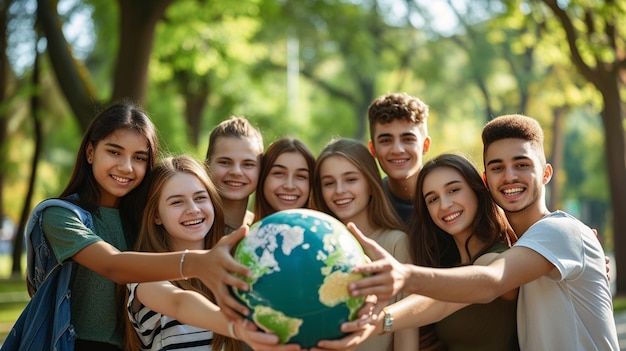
[(399, 139), (558, 263)]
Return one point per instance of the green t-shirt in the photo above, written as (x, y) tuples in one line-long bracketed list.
[(94, 305)]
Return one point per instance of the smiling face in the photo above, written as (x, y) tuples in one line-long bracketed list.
[(287, 183), (451, 202), (345, 189), (399, 147), (234, 167), (516, 176), (185, 211), (119, 164)]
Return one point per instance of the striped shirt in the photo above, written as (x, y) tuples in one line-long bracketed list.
[(160, 332)]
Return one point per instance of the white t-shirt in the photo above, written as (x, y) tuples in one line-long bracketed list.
[(160, 332), (570, 308)]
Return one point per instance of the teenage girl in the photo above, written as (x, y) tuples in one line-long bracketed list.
[(347, 185), (234, 158), (285, 178)]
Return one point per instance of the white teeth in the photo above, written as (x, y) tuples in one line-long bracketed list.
[(288, 197), (397, 161), (512, 191), (235, 184), (343, 202), (452, 216), (121, 180), (195, 221)]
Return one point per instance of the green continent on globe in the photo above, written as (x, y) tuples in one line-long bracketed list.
[(276, 322), (334, 291)]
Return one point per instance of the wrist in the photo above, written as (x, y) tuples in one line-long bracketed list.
[(231, 330), (190, 265), (386, 324)]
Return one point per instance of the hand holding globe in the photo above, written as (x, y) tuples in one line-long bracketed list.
[(301, 263)]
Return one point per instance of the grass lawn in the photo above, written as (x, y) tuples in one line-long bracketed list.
[(619, 304), (13, 295)]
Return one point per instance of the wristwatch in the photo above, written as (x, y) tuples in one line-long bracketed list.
[(387, 321)]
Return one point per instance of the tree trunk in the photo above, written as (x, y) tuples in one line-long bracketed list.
[(16, 271), (72, 77), (196, 93), (612, 117), (4, 73), (138, 21), (558, 140)]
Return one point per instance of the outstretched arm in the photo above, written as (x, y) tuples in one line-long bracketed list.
[(473, 284), (213, 267), (190, 307)]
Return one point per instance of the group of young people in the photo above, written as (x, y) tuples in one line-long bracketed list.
[(163, 229)]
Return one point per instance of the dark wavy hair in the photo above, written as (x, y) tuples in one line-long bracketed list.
[(397, 106)]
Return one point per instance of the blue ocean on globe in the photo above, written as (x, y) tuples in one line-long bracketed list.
[(301, 261)]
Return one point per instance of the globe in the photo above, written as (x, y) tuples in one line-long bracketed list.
[(300, 262)]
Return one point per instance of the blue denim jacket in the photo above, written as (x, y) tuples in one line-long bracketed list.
[(45, 322)]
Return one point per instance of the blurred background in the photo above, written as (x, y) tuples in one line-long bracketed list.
[(310, 69)]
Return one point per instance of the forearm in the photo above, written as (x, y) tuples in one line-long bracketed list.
[(471, 284), (131, 266), (406, 339), (417, 311), (195, 309)]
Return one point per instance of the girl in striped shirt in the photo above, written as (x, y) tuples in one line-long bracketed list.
[(184, 212)]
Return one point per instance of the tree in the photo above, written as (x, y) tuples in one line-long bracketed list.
[(596, 42), (138, 19), (4, 72)]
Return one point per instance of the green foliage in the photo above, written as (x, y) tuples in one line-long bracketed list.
[(495, 55), (585, 159)]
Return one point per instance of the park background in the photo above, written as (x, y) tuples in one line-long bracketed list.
[(309, 69)]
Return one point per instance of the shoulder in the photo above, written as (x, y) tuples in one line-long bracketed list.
[(396, 242), (390, 234), (557, 227), (62, 209)]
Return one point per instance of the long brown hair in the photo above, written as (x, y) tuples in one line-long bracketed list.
[(154, 238), (430, 245), (118, 116)]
